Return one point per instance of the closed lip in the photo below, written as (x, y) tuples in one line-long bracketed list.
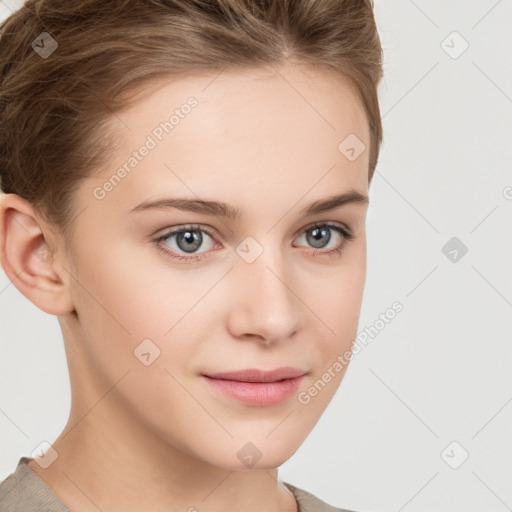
[(257, 375)]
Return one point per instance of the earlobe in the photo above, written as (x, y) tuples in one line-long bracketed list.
[(28, 258)]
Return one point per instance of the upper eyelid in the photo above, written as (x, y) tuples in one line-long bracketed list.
[(326, 223), (211, 231)]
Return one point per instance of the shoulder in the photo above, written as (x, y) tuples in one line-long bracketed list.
[(310, 503), (24, 491)]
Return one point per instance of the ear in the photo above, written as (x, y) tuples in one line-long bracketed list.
[(29, 259)]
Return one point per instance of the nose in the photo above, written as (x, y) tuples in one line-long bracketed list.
[(264, 304)]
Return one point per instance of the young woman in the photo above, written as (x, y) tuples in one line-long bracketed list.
[(185, 186)]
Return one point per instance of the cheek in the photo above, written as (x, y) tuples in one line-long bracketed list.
[(115, 305), (339, 309), (131, 298), (337, 293)]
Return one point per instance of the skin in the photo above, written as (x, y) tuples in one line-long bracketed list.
[(157, 437)]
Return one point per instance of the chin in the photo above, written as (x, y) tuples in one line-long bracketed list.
[(246, 455)]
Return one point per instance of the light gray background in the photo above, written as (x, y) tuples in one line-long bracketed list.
[(440, 371)]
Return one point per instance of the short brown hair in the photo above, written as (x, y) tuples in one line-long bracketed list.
[(53, 110)]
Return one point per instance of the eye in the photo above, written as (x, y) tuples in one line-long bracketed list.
[(319, 235), (187, 239)]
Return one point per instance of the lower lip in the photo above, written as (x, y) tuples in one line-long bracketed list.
[(261, 394)]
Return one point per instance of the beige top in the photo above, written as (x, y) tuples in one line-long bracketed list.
[(25, 491)]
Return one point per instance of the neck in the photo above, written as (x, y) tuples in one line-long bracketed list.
[(125, 468)]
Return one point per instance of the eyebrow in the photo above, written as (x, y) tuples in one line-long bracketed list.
[(220, 209)]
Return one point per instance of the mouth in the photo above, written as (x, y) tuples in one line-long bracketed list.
[(255, 387)]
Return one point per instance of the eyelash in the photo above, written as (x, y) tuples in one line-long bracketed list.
[(337, 251)]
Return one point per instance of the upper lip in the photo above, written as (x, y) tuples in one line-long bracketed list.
[(256, 375)]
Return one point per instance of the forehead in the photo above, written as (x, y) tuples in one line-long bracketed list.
[(239, 134)]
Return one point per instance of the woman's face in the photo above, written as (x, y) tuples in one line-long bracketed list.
[(263, 290)]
